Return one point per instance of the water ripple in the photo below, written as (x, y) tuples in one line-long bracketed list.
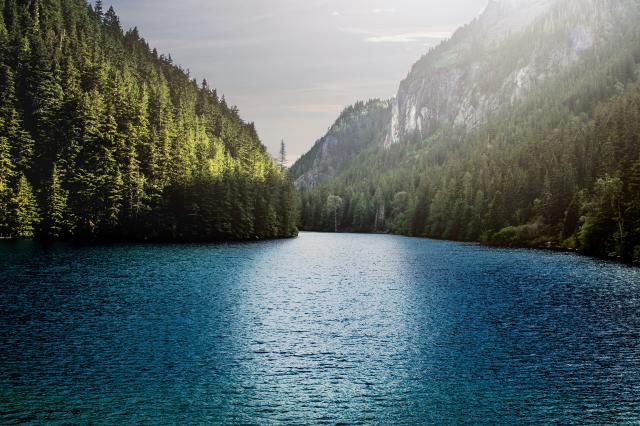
[(325, 329)]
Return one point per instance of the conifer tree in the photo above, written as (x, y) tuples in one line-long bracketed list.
[(334, 205), (56, 215), (119, 141), (4, 36), (282, 155), (24, 211), (98, 8), (21, 143), (7, 171)]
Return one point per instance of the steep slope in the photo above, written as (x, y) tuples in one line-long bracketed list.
[(496, 60), (521, 129), (101, 137), (493, 61), (359, 126)]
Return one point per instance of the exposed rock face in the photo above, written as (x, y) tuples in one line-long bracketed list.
[(358, 127), (490, 63)]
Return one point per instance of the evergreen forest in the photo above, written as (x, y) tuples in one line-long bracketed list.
[(102, 137), (559, 168)]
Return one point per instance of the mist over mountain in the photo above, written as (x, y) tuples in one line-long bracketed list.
[(503, 134)]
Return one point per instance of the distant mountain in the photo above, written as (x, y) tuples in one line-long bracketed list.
[(359, 127), (102, 137), (504, 134)]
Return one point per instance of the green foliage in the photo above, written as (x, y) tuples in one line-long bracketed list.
[(57, 221), (560, 167), (602, 230), (358, 128), (6, 175), (119, 142), (400, 212), (24, 211), (530, 234), (333, 210)]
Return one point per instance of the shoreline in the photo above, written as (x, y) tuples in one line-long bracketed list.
[(552, 248), (88, 241)]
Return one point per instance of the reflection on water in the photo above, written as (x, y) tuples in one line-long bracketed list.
[(321, 329)]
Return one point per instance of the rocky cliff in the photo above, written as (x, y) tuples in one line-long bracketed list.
[(522, 129), (359, 126), (492, 62)]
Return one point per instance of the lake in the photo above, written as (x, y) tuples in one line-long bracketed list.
[(325, 328)]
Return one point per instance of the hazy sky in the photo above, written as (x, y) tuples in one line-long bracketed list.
[(291, 66)]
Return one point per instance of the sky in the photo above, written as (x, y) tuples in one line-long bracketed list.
[(291, 66)]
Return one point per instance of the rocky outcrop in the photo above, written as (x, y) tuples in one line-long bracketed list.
[(358, 127), (492, 62), (489, 64)]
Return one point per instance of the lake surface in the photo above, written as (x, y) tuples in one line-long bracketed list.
[(321, 329)]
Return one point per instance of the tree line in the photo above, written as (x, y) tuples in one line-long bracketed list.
[(102, 137), (560, 168)]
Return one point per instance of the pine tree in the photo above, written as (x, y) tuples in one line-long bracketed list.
[(603, 229), (98, 8), (112, 23), (4, 36), (7, 171), (334, 205), (114, 199), (24, 211), (115, 138), (56, 215), (134, 185), (46, 100), (282, 157), (22, 144)]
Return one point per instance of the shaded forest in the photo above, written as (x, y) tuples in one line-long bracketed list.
[(101, 137)]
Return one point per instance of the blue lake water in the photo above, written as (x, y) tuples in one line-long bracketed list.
[(321, 329)]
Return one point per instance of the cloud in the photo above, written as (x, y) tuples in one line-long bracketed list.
[(335, 13), (408, 37), (418, 35)]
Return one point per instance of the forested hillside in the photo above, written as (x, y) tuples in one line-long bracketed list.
[(102, 137), (551, 162), (358, 128)]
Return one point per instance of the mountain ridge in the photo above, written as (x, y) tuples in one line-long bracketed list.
[(342, 142), (480, 142), (450, 84)]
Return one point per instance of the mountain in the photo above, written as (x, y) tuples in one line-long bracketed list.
[(102, 137), (359, 126), (496, 59), (519, 130)]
